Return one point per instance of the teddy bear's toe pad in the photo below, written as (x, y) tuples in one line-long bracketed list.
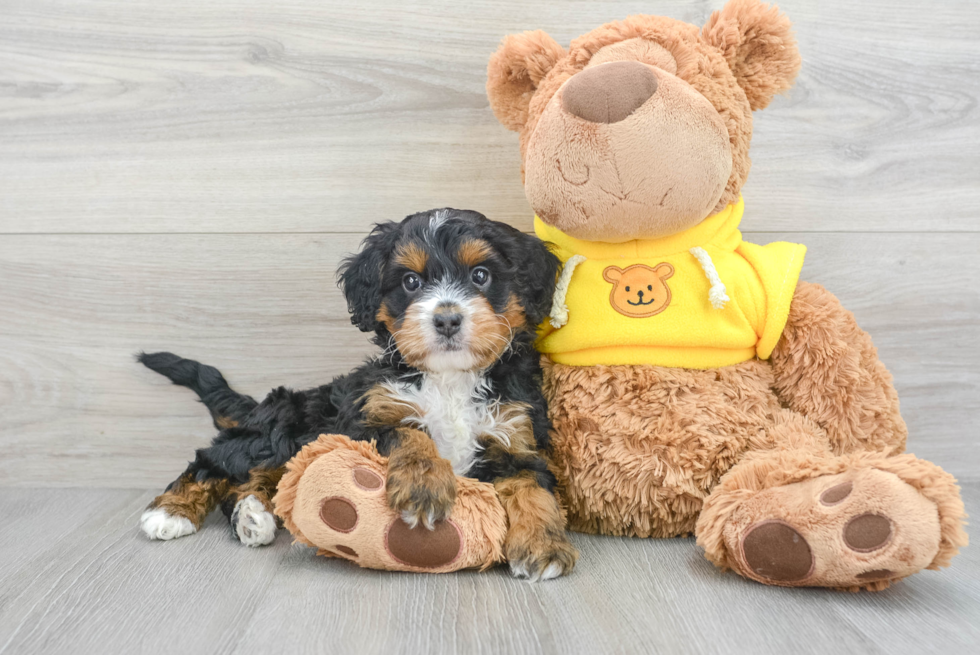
[(426, 549), (843, 530), (776, 551), (338, 514)]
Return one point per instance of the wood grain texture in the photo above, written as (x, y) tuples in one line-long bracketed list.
[(264, 309), (139, 149), (91, 583), (324, 116)]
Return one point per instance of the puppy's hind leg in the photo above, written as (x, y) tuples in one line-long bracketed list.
[(182, 508), (536, 545), (249, 507)]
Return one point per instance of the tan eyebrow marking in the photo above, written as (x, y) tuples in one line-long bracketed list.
[(473, 252), (412, 256)]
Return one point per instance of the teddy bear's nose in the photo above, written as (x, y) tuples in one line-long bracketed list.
[(608, 93)]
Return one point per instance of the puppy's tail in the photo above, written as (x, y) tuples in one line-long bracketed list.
[(228, 407)]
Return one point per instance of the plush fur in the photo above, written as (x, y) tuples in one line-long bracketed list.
[(741, 456), (452, 299)]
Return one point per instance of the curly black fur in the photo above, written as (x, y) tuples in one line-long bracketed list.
[(269, 433)]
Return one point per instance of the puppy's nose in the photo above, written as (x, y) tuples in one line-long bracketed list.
[(447, 323), (608, 93)]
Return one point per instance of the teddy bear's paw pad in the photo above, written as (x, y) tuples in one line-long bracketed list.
[(847, 530), (837, 494), (877, 574), (867, 533), (367, 479), (338, 513), (776, 551), (339, 550), (423, 548), (346, 550)]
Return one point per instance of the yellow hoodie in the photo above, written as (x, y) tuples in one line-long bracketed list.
[(699, 299)]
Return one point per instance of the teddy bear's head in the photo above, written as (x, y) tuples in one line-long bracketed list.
[(641, 129)]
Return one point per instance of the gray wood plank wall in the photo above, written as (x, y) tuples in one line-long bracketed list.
[(186, 176)]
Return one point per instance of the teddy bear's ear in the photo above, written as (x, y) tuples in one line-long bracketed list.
[(758, 42), (515, 70)]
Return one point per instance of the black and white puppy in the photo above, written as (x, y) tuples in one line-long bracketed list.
[(453, 300)]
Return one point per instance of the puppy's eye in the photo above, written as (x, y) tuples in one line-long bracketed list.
[(480, 276), (411, 282)]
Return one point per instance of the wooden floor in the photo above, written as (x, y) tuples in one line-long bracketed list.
[(78, 577), (187, 175)]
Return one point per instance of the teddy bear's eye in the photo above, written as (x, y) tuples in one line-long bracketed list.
[(627, 289), (649, 287)]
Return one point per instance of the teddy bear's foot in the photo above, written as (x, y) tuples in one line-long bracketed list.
[(841, 530), (863, 527), (333, 497)]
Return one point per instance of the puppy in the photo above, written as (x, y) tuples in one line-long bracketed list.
[(453, 300)]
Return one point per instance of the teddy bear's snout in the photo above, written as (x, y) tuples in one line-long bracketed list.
[(609, 92)]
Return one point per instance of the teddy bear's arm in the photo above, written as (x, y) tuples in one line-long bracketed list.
[(827, 368)]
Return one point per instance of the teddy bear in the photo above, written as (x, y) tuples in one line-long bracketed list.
[(696, 385)]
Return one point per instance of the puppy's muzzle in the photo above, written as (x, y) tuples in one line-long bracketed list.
[(447, 320)]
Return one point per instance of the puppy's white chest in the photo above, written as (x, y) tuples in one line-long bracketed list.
[(454, 412)]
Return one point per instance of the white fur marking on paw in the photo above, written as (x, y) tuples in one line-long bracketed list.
[(255, 525), (518, 570), (158, 524), (410, 519), (553, 571)]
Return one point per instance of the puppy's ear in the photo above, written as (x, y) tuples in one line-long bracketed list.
[(514, 72), (758, 42), (360, 275), (537, 270), (542, 267)]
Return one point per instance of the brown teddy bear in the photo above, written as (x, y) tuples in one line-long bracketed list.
[(695, 384)]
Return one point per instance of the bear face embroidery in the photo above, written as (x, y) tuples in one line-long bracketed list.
[(638, 290)]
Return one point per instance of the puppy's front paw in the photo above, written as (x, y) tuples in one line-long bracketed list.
[(540, 556), (157, 523), (422, 489)]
